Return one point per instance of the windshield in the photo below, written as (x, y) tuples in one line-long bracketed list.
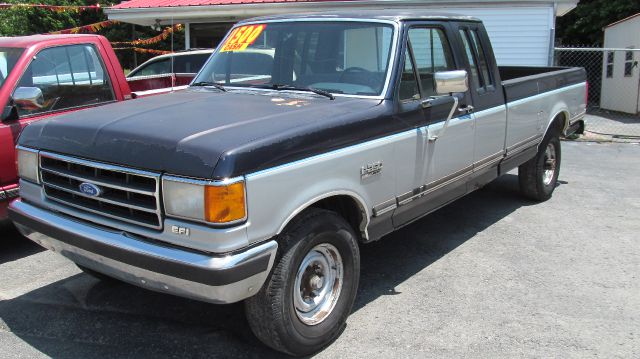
[(335, 56), (8, 58)]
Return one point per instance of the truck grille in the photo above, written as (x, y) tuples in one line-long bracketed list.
[(123, 194)]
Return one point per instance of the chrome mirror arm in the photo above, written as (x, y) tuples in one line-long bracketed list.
[(446, 123)]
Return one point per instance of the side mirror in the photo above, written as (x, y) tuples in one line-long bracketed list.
[(28, 98), (9, 112), (448, 82)]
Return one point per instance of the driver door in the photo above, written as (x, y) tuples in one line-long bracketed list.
[(445, 160)]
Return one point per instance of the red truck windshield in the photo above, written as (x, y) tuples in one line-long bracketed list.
[(8, 58)]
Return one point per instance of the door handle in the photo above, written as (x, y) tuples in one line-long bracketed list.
[(465, 109), (426, 103)]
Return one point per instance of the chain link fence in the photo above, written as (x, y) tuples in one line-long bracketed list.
[(614, 88)]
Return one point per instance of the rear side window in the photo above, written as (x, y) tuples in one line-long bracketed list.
[(189, 64), (468, 51), (68, 77), (432, 53), (155, 68), (483, 62)]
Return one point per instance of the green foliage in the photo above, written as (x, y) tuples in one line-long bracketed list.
[(583, 25), (19, 21)]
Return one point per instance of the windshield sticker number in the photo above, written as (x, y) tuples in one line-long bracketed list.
[(242, 36)]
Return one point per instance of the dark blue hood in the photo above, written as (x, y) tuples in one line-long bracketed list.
[(204, 132)]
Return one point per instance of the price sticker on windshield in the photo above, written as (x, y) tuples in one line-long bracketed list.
[(242, 36)]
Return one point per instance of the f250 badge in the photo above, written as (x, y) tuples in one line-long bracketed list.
[(370, 169)]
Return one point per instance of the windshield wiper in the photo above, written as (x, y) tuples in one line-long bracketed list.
[(310, 89), (209, 83)]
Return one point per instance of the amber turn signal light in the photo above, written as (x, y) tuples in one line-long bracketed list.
[(224, 204)]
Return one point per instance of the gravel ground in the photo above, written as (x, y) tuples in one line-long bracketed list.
[(491, 275)]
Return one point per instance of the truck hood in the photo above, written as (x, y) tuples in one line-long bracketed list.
[(189, 132)]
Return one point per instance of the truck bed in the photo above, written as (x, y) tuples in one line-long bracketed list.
[(520, 81), (536, 95)]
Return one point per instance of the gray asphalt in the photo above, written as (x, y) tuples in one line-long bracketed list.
[(491, 275)]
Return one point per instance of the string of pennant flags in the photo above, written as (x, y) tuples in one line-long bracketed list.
[(56, 8), (152, 40), (92, 28), (143, 50), (95, 27)]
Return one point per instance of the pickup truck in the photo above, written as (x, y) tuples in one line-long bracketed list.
[(260, 184), (170, 70), (47, 75)]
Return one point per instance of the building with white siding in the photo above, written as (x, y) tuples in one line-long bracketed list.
[(620, 70), (522, 31)]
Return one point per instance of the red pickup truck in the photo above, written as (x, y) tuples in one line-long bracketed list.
[(45, 75)]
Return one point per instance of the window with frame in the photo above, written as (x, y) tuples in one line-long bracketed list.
[(611, 56), (408, 89), (473, 65), (628, 63), (68, 77), (483, 62), (431, 53)]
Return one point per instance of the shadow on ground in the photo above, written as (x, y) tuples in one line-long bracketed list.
[(13, 245), (82, 317)]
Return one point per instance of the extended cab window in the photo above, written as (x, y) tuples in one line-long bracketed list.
[(471, 58), (336, 56), (483, 61), (67, 77), (432, 53)]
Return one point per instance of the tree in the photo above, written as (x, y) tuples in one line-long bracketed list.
[(18, 21), (583, 25)]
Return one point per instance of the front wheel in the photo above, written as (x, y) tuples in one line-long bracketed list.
[(305, 303), (539, 176)]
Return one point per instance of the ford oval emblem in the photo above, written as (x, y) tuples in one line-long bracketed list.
[(90, 189)]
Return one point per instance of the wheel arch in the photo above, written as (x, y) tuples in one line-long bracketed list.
[(349, 205), (560, 115)]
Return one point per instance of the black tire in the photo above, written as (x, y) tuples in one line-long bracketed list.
[(531, 174), (97, 275), (272, 313)]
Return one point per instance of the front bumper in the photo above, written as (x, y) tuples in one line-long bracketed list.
[(7, 194), (213, 278)]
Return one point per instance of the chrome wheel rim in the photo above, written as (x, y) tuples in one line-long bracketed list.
[(318, 284), (550, 164)]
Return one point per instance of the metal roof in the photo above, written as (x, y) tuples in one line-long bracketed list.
[(178, 3)]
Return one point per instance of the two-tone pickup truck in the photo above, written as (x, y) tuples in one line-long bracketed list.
[(261, 181)]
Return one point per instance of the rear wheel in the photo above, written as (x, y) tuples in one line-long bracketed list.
[(304, 305), (538, 176)]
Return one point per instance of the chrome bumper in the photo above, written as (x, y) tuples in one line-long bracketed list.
[(211, 278)]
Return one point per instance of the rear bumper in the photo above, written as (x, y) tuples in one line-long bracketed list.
[(223, 278), (576, 125), (576, 128)]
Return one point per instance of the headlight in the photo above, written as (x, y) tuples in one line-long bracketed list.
[(211, 202), (27, 160)]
